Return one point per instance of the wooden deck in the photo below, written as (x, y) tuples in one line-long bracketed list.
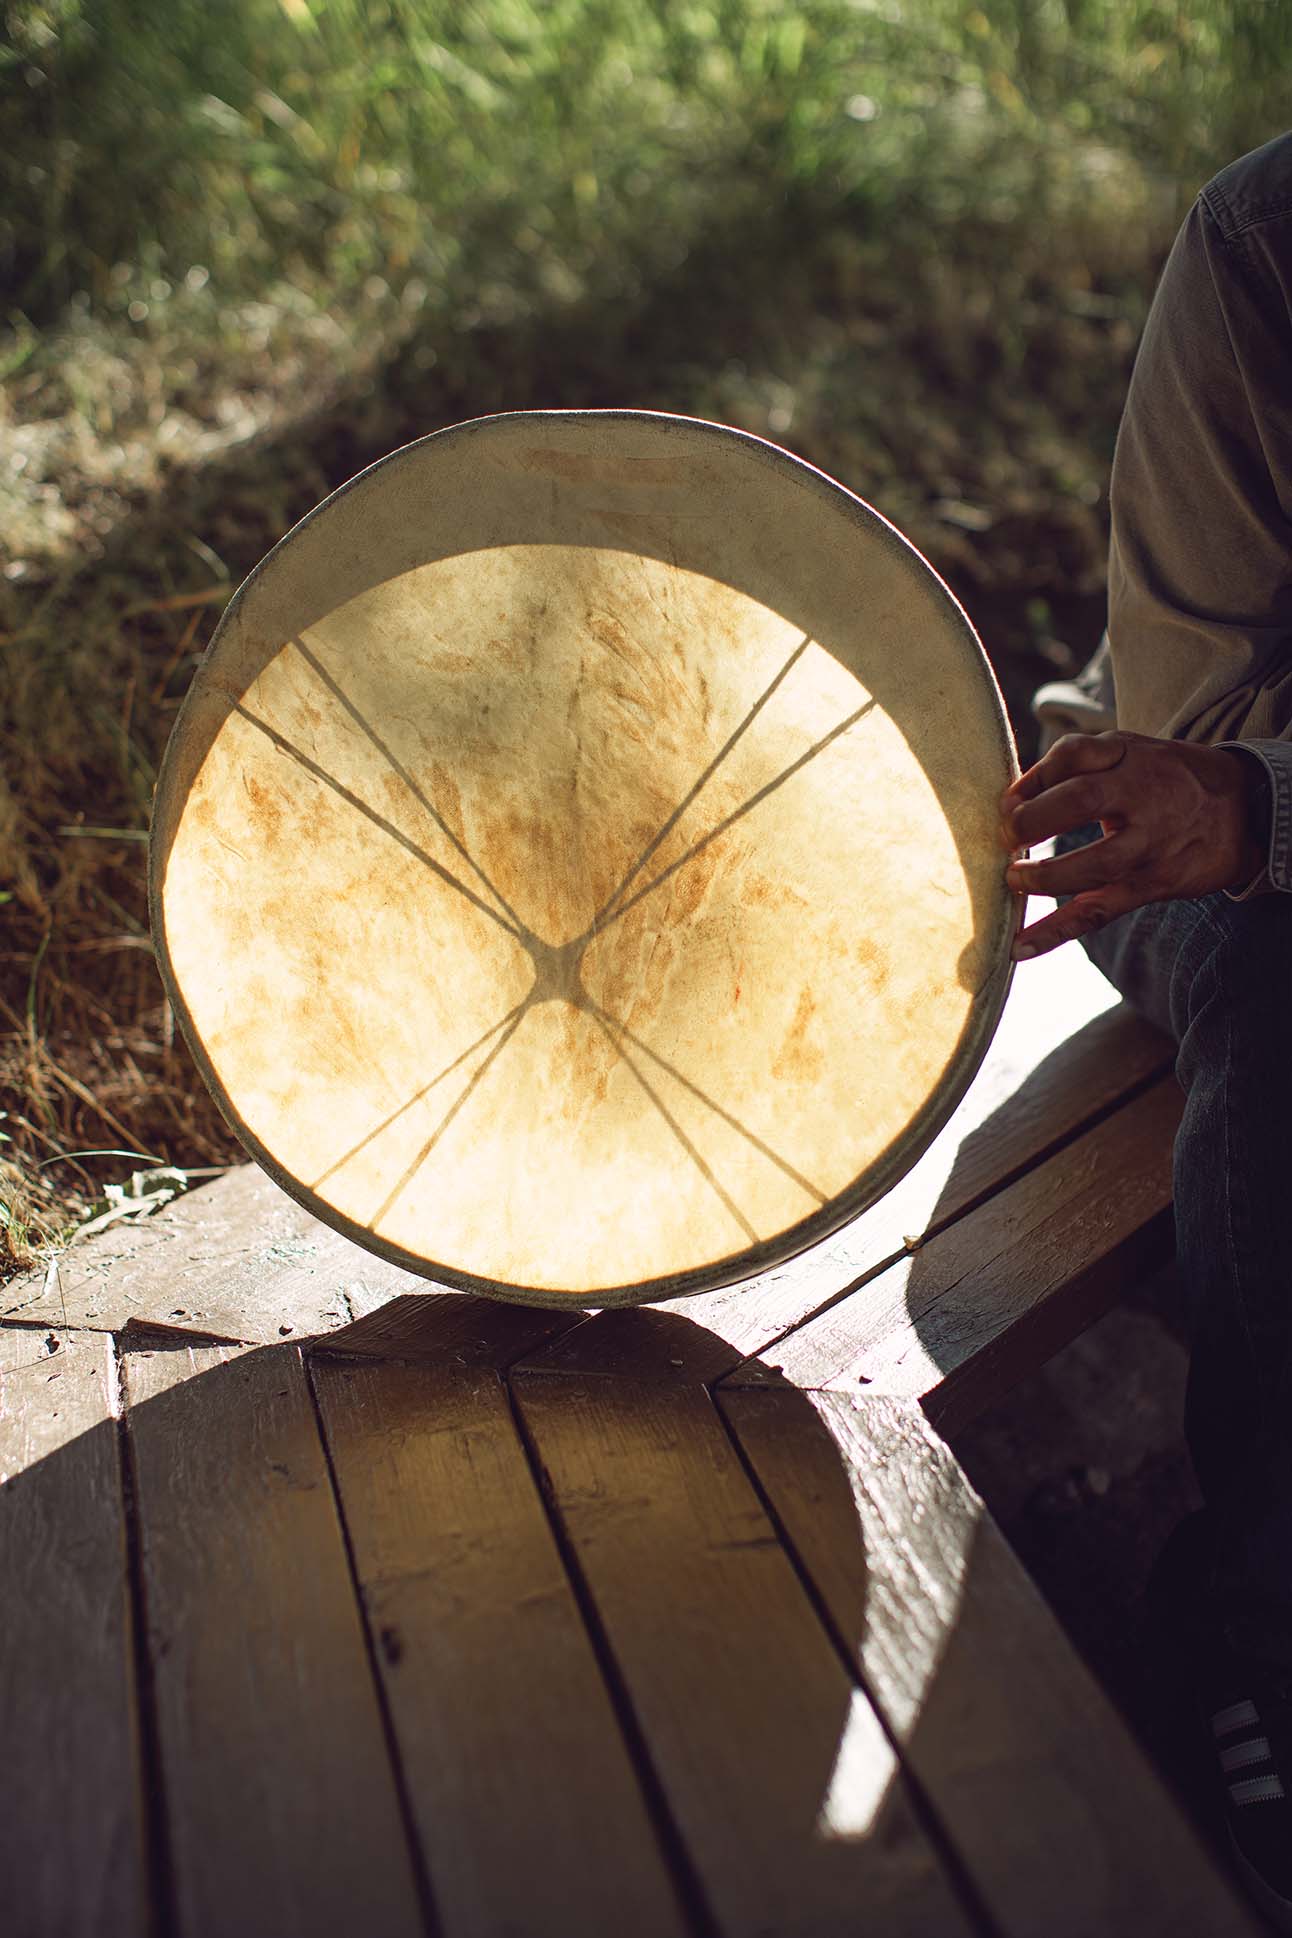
[(335, 1606)]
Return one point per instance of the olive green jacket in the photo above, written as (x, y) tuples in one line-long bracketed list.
[(1199, 641)]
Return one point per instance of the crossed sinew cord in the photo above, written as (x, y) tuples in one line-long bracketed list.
[(366, 727), (618, 903)]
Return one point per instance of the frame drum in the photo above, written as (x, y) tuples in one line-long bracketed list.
[(575, 865)]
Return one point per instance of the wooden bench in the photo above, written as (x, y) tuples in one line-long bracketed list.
[(338, 1606)]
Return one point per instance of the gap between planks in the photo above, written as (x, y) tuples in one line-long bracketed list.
[(935, 1829), (280, 1793), (421, 1877), (995, 1292), (161, 1871), (691, 1890), (938, 1226), (760, 1734), (1065, 1826), (507, 1732)]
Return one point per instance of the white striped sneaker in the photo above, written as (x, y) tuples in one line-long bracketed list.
[(1251, 1727)]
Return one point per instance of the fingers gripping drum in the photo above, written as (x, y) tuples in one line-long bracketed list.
[(1177, 820)]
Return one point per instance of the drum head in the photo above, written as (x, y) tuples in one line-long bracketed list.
[(575, 865)]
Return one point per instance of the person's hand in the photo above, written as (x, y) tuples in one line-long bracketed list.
[(1178, 820)]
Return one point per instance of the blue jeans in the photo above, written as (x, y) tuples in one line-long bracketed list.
[(1217, 975)]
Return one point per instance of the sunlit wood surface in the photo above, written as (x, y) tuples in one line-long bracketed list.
[(335, 1604)]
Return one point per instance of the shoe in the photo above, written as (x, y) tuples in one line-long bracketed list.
[(1249, 1716), (1246, 1711)]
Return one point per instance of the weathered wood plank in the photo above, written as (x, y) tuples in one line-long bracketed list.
[(519, 1780), (1065, 1055), (72, 1821), (240, 1261), (282, 1806), (1061, 1822), (787, 1795), (450, 1326), (236, 1259), (954, 1323)]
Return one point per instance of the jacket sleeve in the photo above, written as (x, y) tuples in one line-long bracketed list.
[(1200, 561)]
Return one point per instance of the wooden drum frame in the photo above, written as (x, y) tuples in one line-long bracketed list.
[(575, 866)]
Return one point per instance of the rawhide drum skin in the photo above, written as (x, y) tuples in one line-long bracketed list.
[(575, 865)]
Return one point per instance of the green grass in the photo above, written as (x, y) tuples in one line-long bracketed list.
[(503, 150), (248, 249)]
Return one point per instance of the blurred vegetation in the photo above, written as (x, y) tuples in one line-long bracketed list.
[(247, 249), (498, 150)]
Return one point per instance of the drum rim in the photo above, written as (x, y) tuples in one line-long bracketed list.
[(751, 1261)]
